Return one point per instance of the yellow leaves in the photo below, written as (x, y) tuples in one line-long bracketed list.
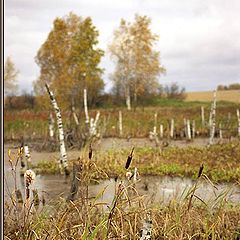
[(137, 62), (69, 59)]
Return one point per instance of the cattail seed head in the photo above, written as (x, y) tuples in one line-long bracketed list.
[(90, 152), (129, 159), (200, 171), (29, 177)]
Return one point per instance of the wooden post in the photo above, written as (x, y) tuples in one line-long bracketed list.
[(120, 124), (63, 154)]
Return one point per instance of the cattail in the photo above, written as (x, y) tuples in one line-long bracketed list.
[(129, 159), (200, 171), (29, 179), (36, 200), (19, 196), (90, 152)]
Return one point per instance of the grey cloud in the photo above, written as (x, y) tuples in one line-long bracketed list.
[(198, 38)]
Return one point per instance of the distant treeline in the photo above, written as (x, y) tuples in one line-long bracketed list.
[(233, 86), (105, 100)]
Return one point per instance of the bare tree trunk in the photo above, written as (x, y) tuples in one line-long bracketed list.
[(155, 125), (213, 119), (51, 126), (85, 105), (128, 99), (63, 154), (238, 117), (75, 116), (120, 124), (202, 116), (161, 131), (193, 129), (172, 128), (188, 130), (220, 131)]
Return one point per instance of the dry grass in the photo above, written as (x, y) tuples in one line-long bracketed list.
[(87, 218), (230, 96)]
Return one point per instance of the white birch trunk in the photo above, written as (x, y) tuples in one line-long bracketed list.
[(135, 175), (213, 119), (146, 231), (172, 128), (210, 116), (63, 154), (202, 116), (91, 127), (85, 105), (188, 130), (27, 153), (185, 127), (51, 125), (238, 118), (161, 131), (120, 124), (75, 116), (128, 99), (95, 123), (220, 131), (193, 128)]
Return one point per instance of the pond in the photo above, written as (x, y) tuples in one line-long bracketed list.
[(155, 189)]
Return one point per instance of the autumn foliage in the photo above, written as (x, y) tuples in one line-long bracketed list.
[(69, 60)]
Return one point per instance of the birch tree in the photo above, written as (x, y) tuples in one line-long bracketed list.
[(69, 61), (137, 62), (10, 78)]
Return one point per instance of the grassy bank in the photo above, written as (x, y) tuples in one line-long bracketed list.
[(138, 123), (221, 162)]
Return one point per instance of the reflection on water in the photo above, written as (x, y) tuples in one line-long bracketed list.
[(155, 189)]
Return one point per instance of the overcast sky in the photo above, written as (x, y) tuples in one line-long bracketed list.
[(199, 39)]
